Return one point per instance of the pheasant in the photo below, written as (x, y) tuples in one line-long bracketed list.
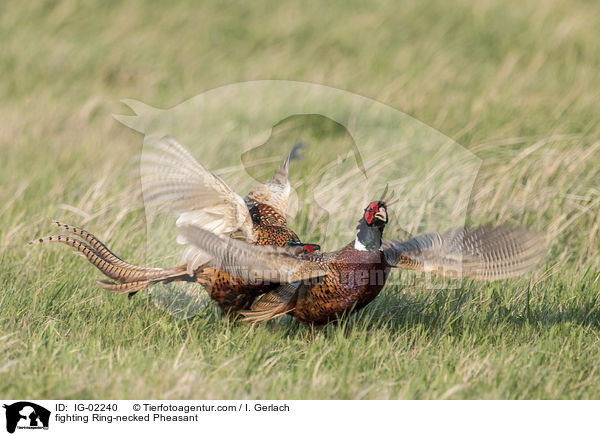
[(174, 180), (317, 288)]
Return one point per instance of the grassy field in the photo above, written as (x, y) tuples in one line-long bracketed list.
[(517, 83)]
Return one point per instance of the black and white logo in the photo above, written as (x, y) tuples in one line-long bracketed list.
[(26, 415)]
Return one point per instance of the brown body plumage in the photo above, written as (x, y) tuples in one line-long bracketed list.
[(351, 277), (234, 293), (355, 279)]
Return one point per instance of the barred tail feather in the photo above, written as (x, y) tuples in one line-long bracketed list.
[(107, 268), (98, 246), (123, 272), (124, 288)]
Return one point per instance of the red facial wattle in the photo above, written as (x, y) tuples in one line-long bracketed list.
[(309, 248), (371, 211)]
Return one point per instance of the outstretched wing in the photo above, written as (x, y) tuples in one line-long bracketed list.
[(487, 253), (254, 262), (173, 180)]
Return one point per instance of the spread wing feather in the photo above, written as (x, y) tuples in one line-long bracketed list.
[(254, 262), (486, 252), (173, 180)]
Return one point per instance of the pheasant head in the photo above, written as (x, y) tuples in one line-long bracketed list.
[(370, 227)]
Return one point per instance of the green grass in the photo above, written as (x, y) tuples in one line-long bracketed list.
[(516, 83)]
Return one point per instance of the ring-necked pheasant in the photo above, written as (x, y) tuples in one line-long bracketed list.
[(351, 277), (174, 180)]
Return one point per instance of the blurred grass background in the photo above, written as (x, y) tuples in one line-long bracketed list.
[(517, 83)]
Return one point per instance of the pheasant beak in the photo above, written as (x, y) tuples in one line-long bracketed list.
[(381, 215)]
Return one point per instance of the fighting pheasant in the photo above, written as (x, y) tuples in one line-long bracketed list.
[(174, 180), (351, 277)]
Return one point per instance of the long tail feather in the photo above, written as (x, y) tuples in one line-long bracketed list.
[(98, 246), (108, 269), (124, 288), (132, 278)]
